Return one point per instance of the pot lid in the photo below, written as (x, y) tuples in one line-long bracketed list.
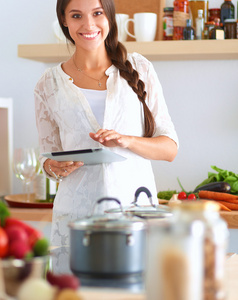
[(109, 222), (144, 211)]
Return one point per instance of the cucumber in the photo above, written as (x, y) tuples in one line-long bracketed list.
[(218, 186)]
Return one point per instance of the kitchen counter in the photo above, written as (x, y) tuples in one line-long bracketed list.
[(45, 214), (112, 294)]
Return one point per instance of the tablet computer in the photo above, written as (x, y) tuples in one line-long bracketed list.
[(90, 156)]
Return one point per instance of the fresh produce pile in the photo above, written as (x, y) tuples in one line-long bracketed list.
[(221, 187), (18, 239), (222, 176), (55, 287)]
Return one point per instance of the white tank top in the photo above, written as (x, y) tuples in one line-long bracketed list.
[(96, 100)]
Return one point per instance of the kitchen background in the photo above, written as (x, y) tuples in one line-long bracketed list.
[(202, 97)]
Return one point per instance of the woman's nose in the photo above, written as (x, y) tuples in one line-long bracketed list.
[(89, 22)]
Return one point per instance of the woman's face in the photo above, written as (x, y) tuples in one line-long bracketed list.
[(87, 23)]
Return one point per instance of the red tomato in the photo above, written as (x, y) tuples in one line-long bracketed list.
[(182, 196), (192, 197), (3, 243)]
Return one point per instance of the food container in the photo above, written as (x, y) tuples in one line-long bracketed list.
[(151, 211), (108, 246), (15, 271)]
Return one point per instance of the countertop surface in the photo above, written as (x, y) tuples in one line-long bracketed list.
[(117, 294)]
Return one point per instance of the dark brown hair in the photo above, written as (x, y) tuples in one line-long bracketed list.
[(118, 55)]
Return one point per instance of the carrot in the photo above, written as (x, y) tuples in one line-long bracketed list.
[(218, 196), (231, 206)]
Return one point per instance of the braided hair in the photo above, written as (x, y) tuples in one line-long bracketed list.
[(118, 55)]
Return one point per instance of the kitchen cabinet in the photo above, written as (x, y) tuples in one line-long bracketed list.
[(154, 51)]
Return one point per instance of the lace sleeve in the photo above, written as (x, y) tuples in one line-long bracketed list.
[(48, 130)]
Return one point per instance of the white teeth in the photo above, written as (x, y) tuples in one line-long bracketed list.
[(93, 35)]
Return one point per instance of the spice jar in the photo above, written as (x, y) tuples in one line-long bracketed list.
[(214, 13), (230, 29), (168, 23), (180, 15)]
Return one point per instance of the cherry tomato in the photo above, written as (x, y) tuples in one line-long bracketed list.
[(182, 196), (3, 242), (192, 197)]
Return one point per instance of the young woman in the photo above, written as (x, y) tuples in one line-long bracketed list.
[(101, 97)]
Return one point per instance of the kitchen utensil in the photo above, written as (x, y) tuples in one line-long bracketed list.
[(109, 245), (147, 212)]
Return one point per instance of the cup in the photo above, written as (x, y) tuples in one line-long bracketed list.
[(145, 25), (121, 19)]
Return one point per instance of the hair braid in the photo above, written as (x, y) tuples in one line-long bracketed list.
[(119, 60)]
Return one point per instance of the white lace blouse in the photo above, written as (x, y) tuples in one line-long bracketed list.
[(64, 119)]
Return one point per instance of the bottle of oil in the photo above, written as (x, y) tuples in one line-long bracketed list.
[(227, 11), (188, 32)]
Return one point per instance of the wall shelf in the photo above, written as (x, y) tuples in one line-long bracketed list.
[(155, 51)]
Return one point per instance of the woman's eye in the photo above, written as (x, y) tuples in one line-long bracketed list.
[(98, 13), (76, 16)]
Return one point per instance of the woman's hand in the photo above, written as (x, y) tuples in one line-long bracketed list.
[(60, 169), (110, 138)]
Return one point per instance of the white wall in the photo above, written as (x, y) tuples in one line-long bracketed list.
[(201, 96)]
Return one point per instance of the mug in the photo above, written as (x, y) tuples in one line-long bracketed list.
[(145, 25), (121, 19)]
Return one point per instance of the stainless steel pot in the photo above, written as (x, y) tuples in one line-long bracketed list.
[(108, 245), (151, 211)]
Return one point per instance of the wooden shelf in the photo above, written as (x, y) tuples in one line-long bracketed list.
[(155, 51)]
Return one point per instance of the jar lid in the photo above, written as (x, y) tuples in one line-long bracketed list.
[(168, 9), (214, 9), (230, 21)]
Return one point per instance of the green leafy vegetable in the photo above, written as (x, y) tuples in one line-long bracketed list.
[(4, 213), (222, 175), (166, 194)]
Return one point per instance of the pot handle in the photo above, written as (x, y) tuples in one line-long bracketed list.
[(107, 199), (140, 190)]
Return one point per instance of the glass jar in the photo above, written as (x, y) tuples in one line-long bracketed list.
[(230, 28), (168, 23), (214, 13), (180, 15), (175, 260), (214, 244), (208, 26), (195, 6)]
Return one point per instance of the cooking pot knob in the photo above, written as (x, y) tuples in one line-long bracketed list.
[(130, 241), (86, 239)]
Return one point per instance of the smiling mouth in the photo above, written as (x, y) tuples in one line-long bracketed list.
[(90, 35)]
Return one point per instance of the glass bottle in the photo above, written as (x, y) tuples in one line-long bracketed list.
[(180, 15), (227, 11), (188, 32), (194, 6), (217, 33), (199, 24), (230, 28), (44, 188)]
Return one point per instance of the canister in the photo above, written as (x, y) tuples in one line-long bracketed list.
[(230, 28)]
